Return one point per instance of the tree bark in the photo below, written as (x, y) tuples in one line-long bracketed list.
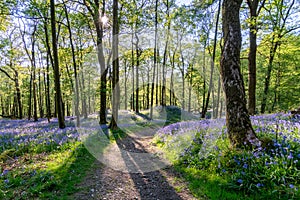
[(254, 12), (115, 62), (154, 60), (59, 106), (212, 66), (35, 118), (240, 131), (77, 113)]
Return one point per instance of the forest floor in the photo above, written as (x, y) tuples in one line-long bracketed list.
[(103, 182)]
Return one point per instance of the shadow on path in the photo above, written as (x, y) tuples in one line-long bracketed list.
[(151, 184)]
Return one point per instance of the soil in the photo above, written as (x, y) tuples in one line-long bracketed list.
[(103, 182)]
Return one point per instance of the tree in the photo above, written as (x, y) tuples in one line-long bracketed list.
[(100, 20), (115, 82), (154, 59), (238, 122), (254, 12), (58, 98), (212, 64), (74, 67), (279, 24)]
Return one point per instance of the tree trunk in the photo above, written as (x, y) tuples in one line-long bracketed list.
[(182, 70), (273, 49), (35, 118), (74, 68), (212, 63), (252, 57), (30, 96), (240, 131), (137, 72), (203, 112), (254, 12), (125, 85), (132, 73), (48, 90), (154, 60), (115, 62), (59, 106)]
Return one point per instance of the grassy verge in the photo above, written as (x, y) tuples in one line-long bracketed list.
[(216, 171), (51, 175)]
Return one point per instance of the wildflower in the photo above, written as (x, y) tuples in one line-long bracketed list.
[(240, 181), (6, 181), (291, 186), (295, 161), (290, 156), (4, 172), (245, 166), (259, 185)]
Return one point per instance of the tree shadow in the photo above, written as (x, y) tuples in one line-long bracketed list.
[(150, 184)]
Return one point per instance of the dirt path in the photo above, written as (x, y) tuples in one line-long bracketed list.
[(102, 182)]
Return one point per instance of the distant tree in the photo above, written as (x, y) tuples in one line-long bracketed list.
[(238, 122), (58, 96), (279, 15), (254, 10), (74, 67), (115, 62)]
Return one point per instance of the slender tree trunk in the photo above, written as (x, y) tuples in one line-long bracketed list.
[(41, 103), (48, 90), (74, 68), (125, 85), (190, 88), (115, 62), (252, 57), (273, 49), (203, 112), (30, 96), (254, 12), (157, 76), (137, 73), (35, 118), (212, 62), (18, 93), (148, 89), (132, 72), (238, 122), (218, 98), (182, 70), (154, 60), (58, 96), (163, 92)]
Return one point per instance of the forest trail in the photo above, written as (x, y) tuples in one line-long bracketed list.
[(103, 182)]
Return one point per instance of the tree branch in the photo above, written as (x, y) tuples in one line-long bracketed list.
[(7, 74)]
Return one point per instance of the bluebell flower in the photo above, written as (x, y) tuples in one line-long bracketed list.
[(259, 185), (290, 156), (240, 181), (291, 186), (4, 172), (245, 166)]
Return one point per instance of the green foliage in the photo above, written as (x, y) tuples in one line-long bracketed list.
[(46, 175), (271, 171)]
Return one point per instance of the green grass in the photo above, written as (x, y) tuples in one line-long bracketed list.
[(227, 173), (51, 175)]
